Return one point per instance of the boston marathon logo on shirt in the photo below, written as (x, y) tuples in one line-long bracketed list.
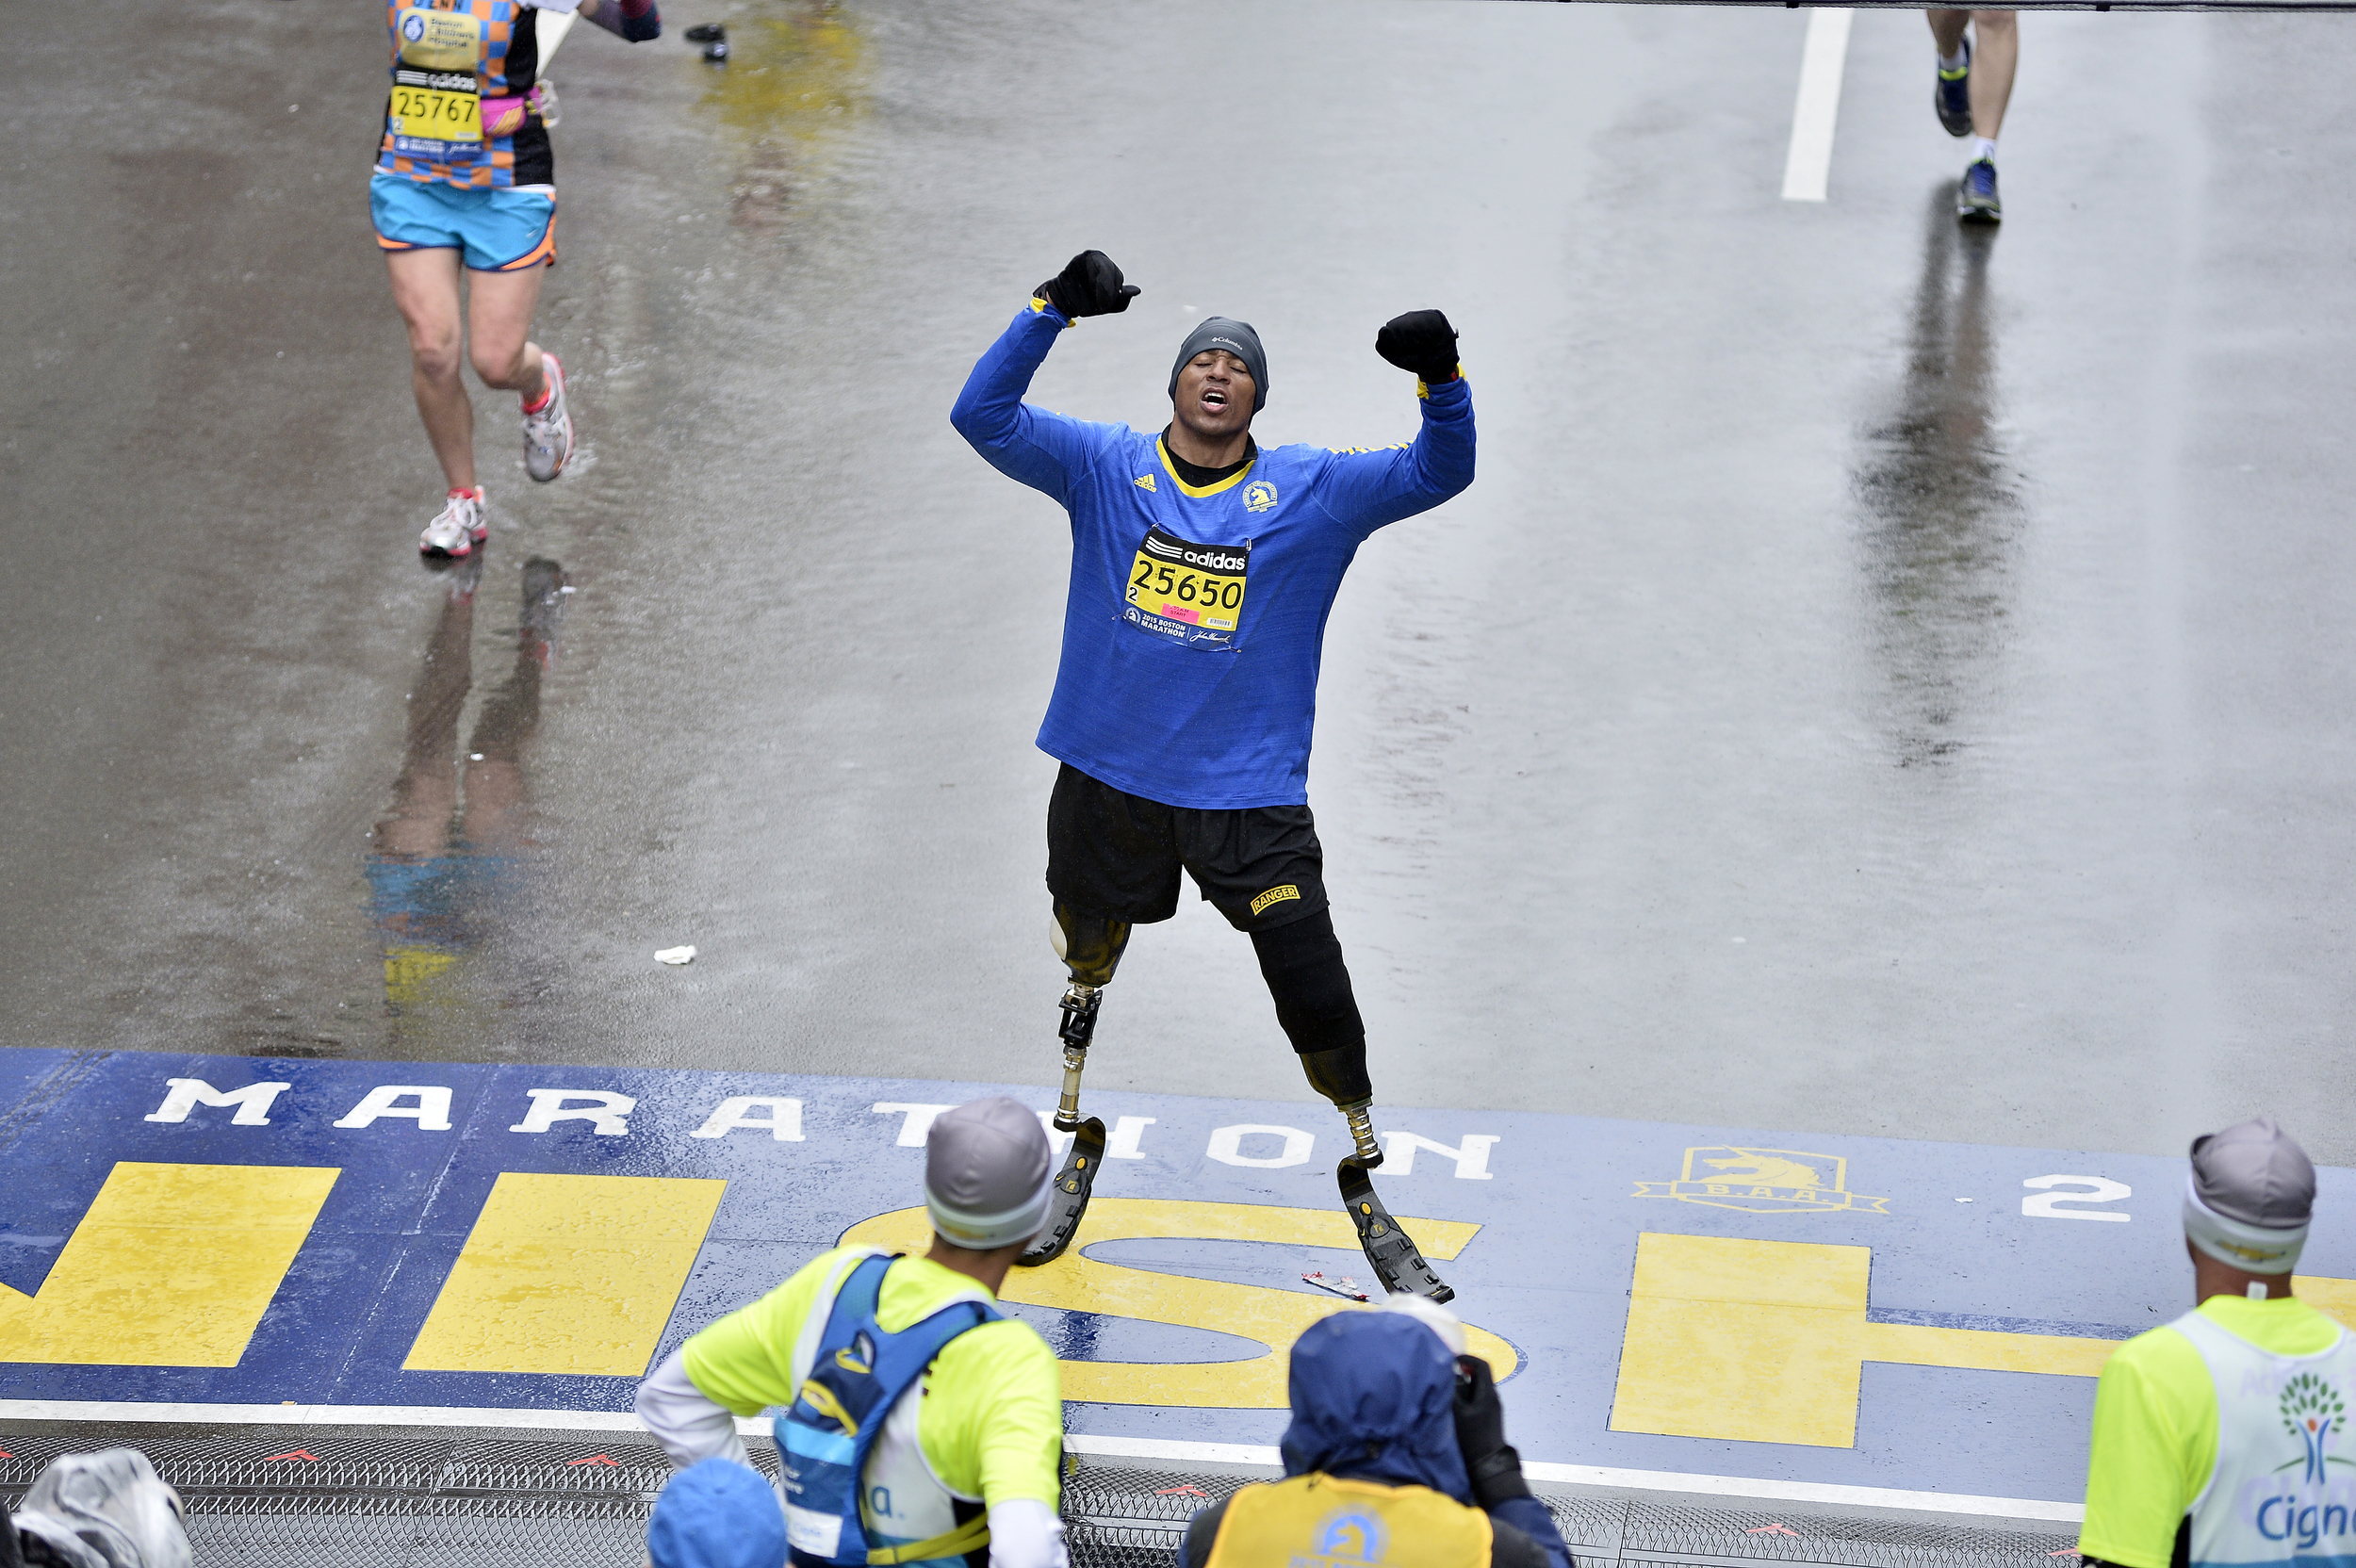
[(1188, 591), (1350, 1535), (1763, 1180)]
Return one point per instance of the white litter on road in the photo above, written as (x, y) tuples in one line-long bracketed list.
[(1340, 1284), (676, 956)]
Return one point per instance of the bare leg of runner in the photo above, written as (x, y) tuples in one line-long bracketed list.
[(1997, 38), (426, 292), (1996, 54), (1983, 89), (500, 306), (1947, 31)]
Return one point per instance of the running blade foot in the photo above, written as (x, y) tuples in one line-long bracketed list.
[(1391, 1250), (1069, 1199)]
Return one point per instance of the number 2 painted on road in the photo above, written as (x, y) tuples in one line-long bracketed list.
[(2099, 1189)]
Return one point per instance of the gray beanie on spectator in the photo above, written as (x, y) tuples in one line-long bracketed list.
[(987, 1168)]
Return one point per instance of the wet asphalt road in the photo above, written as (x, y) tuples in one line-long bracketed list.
[(1884, 679)]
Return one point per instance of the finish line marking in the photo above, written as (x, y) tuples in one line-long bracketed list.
[(365, 1236), (1822, 59), (1078, 1442)]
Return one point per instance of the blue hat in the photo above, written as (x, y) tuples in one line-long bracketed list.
[(1374, 1398), (716, 1513)]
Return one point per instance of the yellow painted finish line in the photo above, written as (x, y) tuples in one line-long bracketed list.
[(1274, 1317), (567, 1274), (175, 1266), (172, 1266), (1766, 1341)]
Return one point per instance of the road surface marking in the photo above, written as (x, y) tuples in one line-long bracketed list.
[(170, 1266), (1818, 107)]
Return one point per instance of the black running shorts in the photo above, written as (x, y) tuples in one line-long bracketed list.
[(1115, 853)]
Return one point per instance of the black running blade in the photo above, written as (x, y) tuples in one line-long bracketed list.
[(1388, 1249), (1070, 1199)]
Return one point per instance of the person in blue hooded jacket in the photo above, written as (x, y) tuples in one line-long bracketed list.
[(1203, 569), (1396, 1453)]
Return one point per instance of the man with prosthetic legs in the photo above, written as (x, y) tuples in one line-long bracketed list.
[(1203, 570)]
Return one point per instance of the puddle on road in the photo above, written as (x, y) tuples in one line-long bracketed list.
[(1942, 499), (450, 863), (796, 75)]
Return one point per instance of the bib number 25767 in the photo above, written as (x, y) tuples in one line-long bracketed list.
[(435, 112), (1188, 591)]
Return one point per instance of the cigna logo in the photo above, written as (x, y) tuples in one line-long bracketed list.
[(2313, 1411)]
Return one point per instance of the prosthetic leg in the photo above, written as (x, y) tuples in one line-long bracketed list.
[(1090, 947), (1306, 977)]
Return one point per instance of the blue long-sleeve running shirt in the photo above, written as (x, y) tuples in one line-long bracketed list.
[(1196, 615)]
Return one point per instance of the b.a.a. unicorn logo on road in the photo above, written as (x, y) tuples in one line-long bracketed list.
[(1763, 1180), (2313, 1411)]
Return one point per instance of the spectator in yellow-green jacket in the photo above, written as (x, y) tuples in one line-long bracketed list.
[(2217, 1438), (918, 1424)]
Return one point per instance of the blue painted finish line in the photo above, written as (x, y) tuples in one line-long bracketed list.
[(1961, 1236)]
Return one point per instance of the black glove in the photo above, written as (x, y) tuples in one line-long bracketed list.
[(1421, 341), (1089, 284), (1491, 1463)]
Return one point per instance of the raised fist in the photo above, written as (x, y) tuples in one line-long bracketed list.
[(1089, 284), (1421, 341)]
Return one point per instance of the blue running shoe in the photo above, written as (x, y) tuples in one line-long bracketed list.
[(1952, 95), (1975, 195)]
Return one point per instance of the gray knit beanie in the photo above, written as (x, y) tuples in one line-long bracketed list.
[(987, 1167), (1237, 339)]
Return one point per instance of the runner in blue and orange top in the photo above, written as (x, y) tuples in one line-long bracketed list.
[(466, 184)]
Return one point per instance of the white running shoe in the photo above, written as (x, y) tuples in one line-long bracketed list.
[(459, 528), (548, 435)]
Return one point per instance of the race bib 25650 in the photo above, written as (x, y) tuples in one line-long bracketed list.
[(1188, 591)]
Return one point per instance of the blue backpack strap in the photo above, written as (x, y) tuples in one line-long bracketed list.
[(827, 1434), (817, 1441)]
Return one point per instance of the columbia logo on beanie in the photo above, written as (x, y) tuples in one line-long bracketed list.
[(1237, 339)]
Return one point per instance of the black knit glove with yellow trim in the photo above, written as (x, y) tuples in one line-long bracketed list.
[(1421, 341), (1089, 284), (1491, 1464)]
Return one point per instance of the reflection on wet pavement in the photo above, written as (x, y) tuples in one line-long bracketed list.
[(793, 79), (452, 852), (1942, 500), (1576, 734)]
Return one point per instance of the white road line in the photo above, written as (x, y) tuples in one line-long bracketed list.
[(1807, 1492), (1813, 113), (556, 1421), (1163, 1448)]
